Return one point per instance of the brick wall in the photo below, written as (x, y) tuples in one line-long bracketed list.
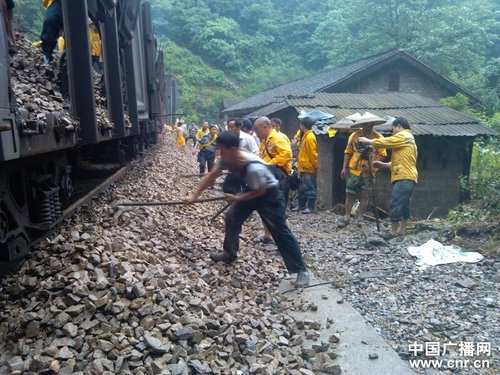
[(441, 163), (411, 81)]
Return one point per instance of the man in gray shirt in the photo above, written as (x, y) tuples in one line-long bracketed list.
[(247, 142), (261, 194)]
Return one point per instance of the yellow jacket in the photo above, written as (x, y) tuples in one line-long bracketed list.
[(95, 43), (47, 3), (307, 159), (200, 133), (404, 155), (355, 164), (276, 150)]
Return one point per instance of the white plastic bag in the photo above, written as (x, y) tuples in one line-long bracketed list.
[(433, 253)]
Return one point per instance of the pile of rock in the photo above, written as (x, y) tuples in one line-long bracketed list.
[(37, 90), (137, 292)]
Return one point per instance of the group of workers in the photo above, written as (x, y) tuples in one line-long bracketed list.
[(273, 146), (263, 172)]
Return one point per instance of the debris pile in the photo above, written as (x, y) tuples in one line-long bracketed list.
[(447, 303), (139, 294), (37, 87)]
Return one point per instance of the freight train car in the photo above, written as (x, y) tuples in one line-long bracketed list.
[(39, 150)]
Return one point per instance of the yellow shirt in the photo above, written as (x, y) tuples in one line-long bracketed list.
[(276, 150), (201, 132), (307, 160), (95, 43), (355, 164), (47, 3), (404, 155)]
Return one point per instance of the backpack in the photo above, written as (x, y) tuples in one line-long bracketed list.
[(294, 179), (235, 183)]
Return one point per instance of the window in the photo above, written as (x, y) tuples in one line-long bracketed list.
[(393, 81)]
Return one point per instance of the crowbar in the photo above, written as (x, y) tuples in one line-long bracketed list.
[(118, 206)]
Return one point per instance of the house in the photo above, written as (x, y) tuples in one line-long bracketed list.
[(391, 71), (444, 139), (392, 83)]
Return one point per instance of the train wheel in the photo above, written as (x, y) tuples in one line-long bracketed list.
[(18, 247), (66, 186)]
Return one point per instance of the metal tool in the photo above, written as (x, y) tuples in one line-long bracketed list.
[(375, 208), (119, 206), (198, 175), (220, 211)]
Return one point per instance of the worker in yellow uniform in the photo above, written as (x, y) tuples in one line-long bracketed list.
[(357, 169), (179, 138), (404, 174), (204, 130), (307, 164), (207, 149), (95, 47), (274, 149)]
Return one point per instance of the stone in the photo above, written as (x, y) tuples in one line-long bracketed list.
[(466, 283), (33, 329), (155, 345)]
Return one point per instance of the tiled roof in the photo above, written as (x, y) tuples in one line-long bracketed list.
[(324, 80), (426, 116), (309, 84)]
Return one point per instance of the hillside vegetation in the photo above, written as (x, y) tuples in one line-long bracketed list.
[(234, 48), (257, 44)]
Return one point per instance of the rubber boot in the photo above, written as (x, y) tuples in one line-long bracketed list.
[(301, 206), (309, 206)]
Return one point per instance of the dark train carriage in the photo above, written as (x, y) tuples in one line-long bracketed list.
[(37, 158)]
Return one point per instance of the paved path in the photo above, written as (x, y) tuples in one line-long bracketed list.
[(358, 338)]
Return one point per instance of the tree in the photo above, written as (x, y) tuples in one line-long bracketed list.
[(28, 18)]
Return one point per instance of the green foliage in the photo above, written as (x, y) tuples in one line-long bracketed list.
[(28, 18), (202, 87), (261, 43), (461, 103), (484, 183), (246, 46), (458, 102)]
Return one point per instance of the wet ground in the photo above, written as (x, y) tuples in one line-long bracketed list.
[(136, 292)]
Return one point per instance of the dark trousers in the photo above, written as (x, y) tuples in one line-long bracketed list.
[(52, 26), (271, 209), (97, 64), (192, 138), (401, 199), (307, 189), (284, 185), (206, 159)]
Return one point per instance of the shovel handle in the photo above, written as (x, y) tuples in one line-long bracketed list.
[(170, 203)]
